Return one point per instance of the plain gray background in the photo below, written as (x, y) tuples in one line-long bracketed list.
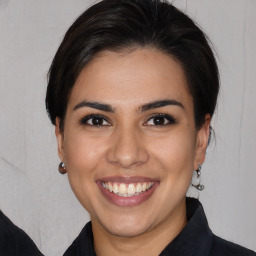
[(32, 192)]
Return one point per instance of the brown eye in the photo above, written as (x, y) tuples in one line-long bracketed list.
[(160, 120), (94, 120)]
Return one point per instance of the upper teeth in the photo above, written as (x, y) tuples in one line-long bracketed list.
[(127, 190)]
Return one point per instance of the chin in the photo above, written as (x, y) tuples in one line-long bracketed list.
[(126, 226), (126, 230)]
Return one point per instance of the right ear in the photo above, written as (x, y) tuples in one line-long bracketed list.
[(60, 139)]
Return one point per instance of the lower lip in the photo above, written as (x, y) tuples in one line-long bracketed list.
[(127, 201)]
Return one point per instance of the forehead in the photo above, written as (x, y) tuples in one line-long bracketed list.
[(132, 77)]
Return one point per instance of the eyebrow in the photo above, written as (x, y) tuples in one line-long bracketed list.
[(96, 105), (143, 108), (159, 104)]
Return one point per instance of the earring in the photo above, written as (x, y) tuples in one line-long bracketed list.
[(62, 168), (196, 179)]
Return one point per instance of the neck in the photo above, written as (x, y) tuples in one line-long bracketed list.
[(151, 243)]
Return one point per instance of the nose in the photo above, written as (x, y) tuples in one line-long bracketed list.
[(128, 148)]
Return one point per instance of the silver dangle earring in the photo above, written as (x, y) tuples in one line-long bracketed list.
[(62, 168), (196, 179)]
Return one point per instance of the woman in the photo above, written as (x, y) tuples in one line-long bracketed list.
[(132, 90)]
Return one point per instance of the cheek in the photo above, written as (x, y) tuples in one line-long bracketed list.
[(83, 153), (175, 153)]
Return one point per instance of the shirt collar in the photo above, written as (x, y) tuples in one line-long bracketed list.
[(194, 240), (196, 237)]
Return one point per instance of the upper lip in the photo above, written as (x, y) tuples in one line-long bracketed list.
[(127, 179)]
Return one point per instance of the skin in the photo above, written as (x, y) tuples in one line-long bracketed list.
[(129, 143)]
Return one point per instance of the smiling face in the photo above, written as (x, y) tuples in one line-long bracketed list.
[(129, 142)]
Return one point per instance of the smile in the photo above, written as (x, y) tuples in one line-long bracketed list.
[(127, 190)]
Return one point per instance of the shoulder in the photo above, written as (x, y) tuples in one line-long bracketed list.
[(221, 247), (14, 241)]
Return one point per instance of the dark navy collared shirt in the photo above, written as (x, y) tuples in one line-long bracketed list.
[(196, 239), (14, 241)]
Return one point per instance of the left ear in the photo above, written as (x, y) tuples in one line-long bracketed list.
[(60, 139), (202, 141)]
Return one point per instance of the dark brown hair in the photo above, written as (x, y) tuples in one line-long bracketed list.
[(119, 25)]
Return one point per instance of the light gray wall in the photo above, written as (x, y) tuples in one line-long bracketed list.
[(39, 200)]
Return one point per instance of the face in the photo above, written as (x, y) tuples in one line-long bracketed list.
[(129, 142)]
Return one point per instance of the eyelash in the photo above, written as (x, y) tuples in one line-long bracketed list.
[(170, 120), (84, 121)]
